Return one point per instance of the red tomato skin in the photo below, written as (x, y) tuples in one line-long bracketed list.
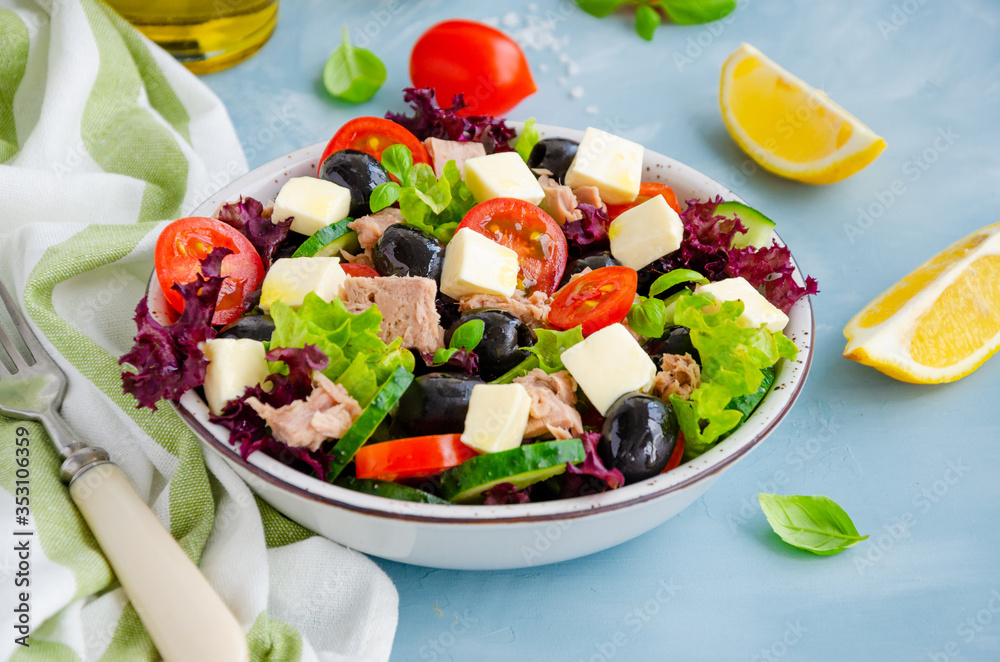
[(475, 60), (355, 134), (677, 455), (358, 270), (647, 190), (186, 241), (612, 305), (541, 264), (415, 457)]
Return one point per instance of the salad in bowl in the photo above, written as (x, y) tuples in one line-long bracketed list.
[(453, 312)]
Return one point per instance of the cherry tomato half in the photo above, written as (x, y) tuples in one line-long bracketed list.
[(476, 60), (527, 230), (185, 242), (372, 135), (677, 455), (596, 299), (647, 190), (358, 270), (411, 458)]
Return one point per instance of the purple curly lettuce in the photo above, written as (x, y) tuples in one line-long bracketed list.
[(247, 217), (589, 234), (592, 464), (506, 494), (705, 249), (429, 120), (462, 361), (249, 432), (166, 361)]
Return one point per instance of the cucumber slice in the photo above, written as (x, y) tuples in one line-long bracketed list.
[(521, 466), (759, 227), (745, 404), (366, 424), (329, 241), (384, 488)]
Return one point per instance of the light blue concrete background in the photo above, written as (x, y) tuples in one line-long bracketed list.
[(917, 467)]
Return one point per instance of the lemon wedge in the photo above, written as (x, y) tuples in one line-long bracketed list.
[(787, 126), (939, 323)]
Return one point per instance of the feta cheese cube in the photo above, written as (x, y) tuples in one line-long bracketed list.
[(612, 164), (608, 364), (645, 233), (233, 365), (290, 279), (312, 204), (474, 264), (757, 310), (497, 417), (501, 175)]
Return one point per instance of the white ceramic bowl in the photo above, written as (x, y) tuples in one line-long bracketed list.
[(493, 537)]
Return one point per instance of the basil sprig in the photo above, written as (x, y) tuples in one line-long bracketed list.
[(647, 13), (353, 74)]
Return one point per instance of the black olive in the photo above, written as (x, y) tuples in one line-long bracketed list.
[(359, 173), (638, 436), (404, 250), (255, 327), (555, 155), (675, 340), (595, 262), (435, 403), (503, 335), (288, 247)]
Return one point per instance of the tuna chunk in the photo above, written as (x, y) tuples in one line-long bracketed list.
[(679, 375), (327, 413), (551, 411), (560, 202), (532, 310), (371, 227), (407, 307), (589, 195), (442, 151)]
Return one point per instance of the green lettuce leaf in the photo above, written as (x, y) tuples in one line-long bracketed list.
[(732, 360), (359, 360), (551, 345), (436, 206), (527, 139)]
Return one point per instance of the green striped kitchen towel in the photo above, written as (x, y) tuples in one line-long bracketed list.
[(103, 137)]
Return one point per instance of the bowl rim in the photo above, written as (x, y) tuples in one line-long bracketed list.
[(193, 411)]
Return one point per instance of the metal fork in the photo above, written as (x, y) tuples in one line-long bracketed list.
[(185, 617)]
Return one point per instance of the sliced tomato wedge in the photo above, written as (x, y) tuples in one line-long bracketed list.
[(647, 190), (415, 457), (595, 300), (677, 455), (531, 233), (184, 244), (372, 135), (358, 270)]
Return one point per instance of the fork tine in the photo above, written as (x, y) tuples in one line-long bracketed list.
[(38, 353), (15, 356)]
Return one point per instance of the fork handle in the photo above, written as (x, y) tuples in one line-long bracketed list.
[(185, 617)]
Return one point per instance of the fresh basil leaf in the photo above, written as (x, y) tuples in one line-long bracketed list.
[(675, 277), (397, 160), (468, 336), (691, 12), (443, 355), (599, 8), (353, 74), (551, 345), (648, 317), (816, 524), (646, 20), (528, 138), (384, 195)]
